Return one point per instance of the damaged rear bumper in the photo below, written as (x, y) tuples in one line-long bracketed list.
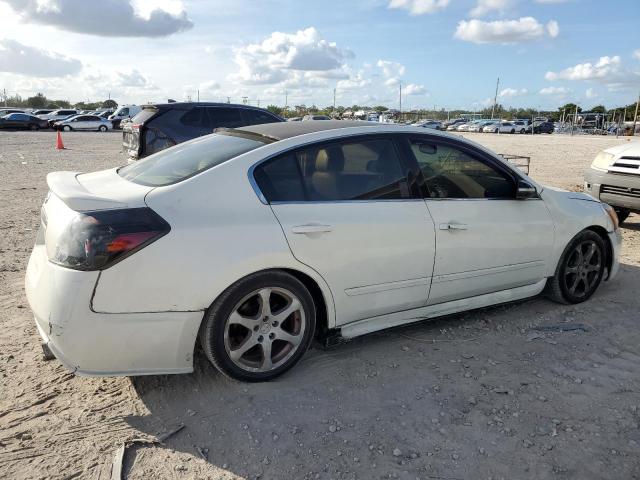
[(104, 344)]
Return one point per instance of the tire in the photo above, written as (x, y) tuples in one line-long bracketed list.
[(513, 130), (623, 214), (578, 275), (33, 127), (523, 131), (102, 128), (66, 128), (238, 322)]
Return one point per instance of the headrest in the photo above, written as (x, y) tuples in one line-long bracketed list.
[(329, 160)]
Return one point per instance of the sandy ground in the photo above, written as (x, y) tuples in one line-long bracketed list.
[(474, 396)]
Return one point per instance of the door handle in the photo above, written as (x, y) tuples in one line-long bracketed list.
[(311, 228), (453, 226)]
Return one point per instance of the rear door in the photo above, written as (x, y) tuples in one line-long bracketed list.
[(487, 240), (348, 212)]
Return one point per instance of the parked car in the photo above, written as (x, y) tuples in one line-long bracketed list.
[(478, 125), (122, 113), (507, 127), (543, 127), (105, 113), (161, 126), (42, 112), (614, 178), (22, 121), (84, 122), (57, 115), (315, 117), (452, 124), (434, 124), (7, 111), (490, 127), (464, 127), (523, 126), (249, 242)]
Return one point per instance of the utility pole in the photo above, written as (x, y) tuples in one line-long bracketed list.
[(198, 94), (635, 117), (495, 98), (334, 99), (228, 99), (575, 120), (286, 100), (400, 83)]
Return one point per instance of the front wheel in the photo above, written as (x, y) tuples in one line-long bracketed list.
[(580, 270), (102, 128), (259, 327), (522, 131), (513, 130), (33, 127)]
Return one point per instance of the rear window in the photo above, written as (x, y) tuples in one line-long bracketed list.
[(144, 115), (187, 159)]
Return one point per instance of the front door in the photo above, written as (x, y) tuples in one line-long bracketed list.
[(347, 212), (486, 240)]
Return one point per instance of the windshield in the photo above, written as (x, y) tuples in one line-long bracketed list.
[(187, 159)]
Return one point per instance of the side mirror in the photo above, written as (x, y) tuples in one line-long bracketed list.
[(525, 190)]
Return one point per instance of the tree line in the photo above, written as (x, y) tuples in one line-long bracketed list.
[(40, 101)]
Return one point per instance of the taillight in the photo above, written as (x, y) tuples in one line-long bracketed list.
[(97, 240)]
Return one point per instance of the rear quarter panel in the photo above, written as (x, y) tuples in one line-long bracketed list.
[(220, 232)]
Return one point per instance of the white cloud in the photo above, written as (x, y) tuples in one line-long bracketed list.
[(554, 91), (590, 93), (636, 54), (513, 92), (272, 60), (413, 89), (553, 28), (25, 60), (605, 67), (357, 81), (419, 7), (391, 69), (108, 18), (503, 31), (484, 7)]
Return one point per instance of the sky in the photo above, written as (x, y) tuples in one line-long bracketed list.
[(443, 53)]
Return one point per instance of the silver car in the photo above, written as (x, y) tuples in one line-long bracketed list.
[(84, 122)]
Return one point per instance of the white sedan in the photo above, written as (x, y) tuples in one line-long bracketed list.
[(84, 122), (508, 127), (254, 241)]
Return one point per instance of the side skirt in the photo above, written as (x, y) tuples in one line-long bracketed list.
[(368, 325)]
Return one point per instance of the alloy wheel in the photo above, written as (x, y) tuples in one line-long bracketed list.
[(265, 329), (582, 272)]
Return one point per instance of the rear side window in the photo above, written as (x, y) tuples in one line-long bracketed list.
[(225, 117), (356, 170), (196, 117), (144, 115), (187, 159)]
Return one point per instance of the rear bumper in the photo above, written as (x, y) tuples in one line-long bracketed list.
[(98, 344), (624, 198)]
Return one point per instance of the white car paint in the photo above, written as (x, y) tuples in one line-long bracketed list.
[(85, 122), (507, 127), (376, 263)]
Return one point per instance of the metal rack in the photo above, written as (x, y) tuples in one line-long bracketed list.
[(520, 161)]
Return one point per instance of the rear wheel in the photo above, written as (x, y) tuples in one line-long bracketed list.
[(33, 126), (102, 128), (513, 130), (580, 269), (66, 128), (522, 130), (259, 327)]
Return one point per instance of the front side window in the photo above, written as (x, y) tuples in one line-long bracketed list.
[(453, 173), (357, 170), (187, 159)]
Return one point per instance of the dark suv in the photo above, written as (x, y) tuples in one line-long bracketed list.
[(161, 126)]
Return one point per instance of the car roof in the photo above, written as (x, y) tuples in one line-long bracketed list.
[(185, 105), (282, 130)]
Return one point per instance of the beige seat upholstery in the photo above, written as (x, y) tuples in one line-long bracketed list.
[(329, 164)]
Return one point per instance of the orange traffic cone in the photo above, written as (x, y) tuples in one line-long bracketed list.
[(59, 144)]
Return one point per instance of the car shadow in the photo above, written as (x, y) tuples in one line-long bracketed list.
[(404, 390)]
